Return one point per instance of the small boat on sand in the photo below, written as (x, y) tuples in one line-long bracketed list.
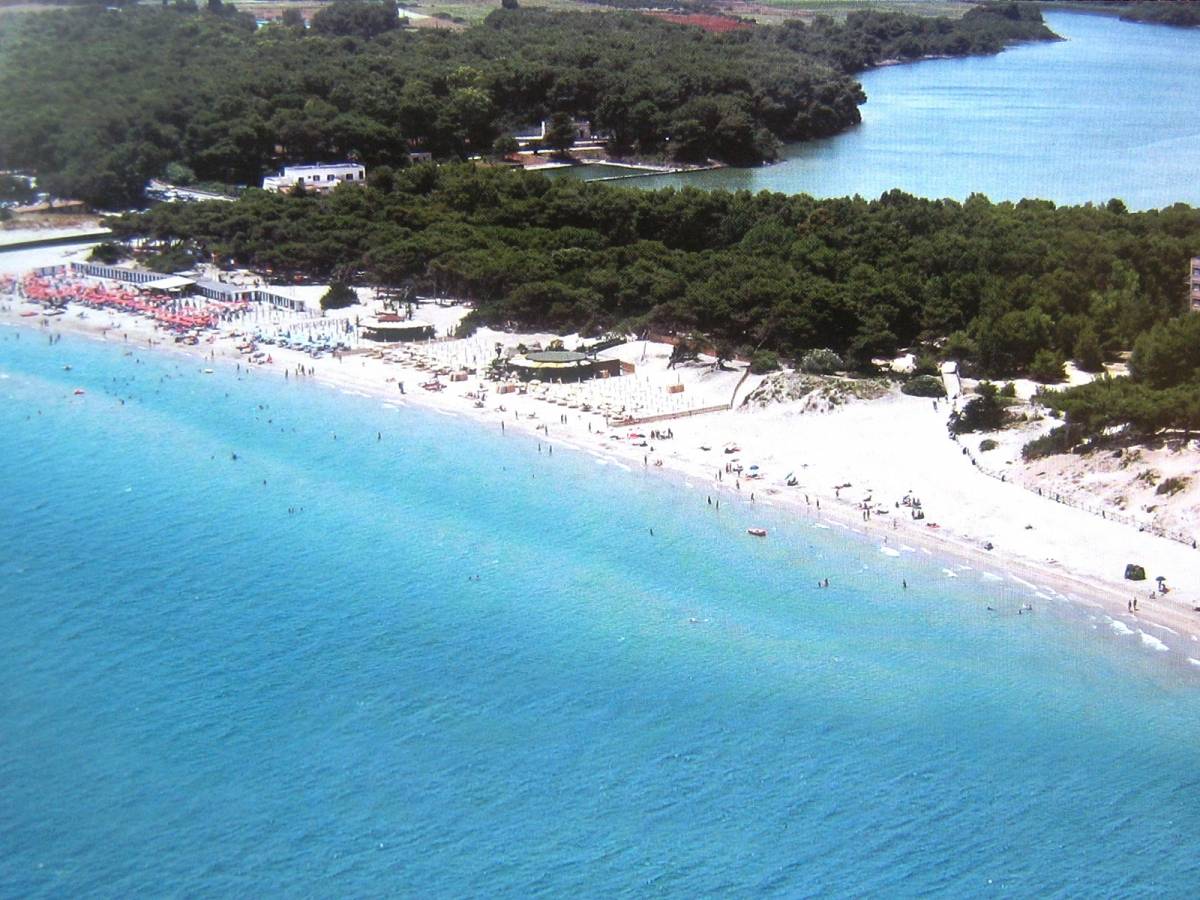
[(757, 532)]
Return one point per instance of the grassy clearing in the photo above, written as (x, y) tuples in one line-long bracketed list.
[(841, 7), (470, 12)]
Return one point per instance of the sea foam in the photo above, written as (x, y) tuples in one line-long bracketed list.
[(1153, 643)]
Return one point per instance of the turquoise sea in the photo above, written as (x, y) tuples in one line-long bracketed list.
[(384, 652), (1112, 111)]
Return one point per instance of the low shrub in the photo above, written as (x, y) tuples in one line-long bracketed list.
[(1047, 367), (1172, 486), (821, 362), (1054, 441), (923, 386), (763, 361), (107, 253)]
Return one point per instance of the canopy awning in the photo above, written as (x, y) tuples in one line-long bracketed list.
[(170, 283)]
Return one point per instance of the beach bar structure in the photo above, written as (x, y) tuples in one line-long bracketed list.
[(228, 293), (150, 281), (280, 297), (170, 284), (562, 365), (394, 330)]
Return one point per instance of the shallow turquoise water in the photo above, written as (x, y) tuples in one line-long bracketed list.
[(1113, 111), (203, 693), (597, 172)]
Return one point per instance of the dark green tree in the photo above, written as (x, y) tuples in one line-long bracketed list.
[(294, 19), (1088, 354), (1047, 367), (560, 132), (15, 189), (356, 18), (983, 412), (339, 296)]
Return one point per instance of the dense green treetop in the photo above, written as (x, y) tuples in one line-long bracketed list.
[(1162, 391), (361, 20), (97, 101), (1163, 13), (14, 188), (991, 284), (869, 37), (1159, 12)]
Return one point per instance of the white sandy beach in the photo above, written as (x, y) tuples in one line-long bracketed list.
[(47, 225), (879, 451)]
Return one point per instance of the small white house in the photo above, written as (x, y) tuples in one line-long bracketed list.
[(583, 134), (321, 177)]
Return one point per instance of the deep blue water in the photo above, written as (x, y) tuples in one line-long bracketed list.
[(204, 694), (1112, 111)]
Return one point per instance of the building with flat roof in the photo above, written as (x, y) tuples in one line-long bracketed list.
[(117, 273), (320, 177), (583, 134)]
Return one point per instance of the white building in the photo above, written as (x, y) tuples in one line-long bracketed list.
[(321, 177), (1194, 284), (583, 135)]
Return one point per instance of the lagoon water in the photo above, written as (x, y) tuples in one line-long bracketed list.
[(1112, 111), (462, 667)]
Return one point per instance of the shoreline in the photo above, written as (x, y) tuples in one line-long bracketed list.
[(358, 374), (635, 169)]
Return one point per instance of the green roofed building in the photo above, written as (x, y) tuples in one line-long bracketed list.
[(562, 365)]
